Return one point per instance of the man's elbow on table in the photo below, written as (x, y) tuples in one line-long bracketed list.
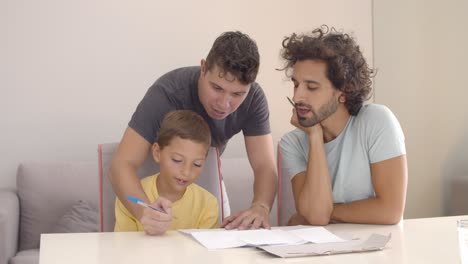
[(316, 219), (393, 218)]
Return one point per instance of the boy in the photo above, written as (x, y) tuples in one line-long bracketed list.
[(180, 150)]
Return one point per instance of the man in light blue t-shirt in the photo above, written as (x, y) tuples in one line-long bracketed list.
[(346, 160)]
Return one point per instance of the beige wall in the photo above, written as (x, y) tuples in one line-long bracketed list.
[(72, 72), (420, 50)]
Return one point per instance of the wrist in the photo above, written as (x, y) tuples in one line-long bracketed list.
[(315, 137), (261, 205)]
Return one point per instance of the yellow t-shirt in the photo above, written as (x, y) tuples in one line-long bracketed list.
[(196, 209)]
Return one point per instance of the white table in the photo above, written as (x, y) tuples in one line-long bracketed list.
[(425, 240)]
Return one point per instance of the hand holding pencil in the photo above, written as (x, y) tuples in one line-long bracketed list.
[(140, 202), (157, 217)]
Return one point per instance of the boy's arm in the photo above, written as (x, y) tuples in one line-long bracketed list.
[(261, 157), (124, 221), (389, 178), (131, 153)]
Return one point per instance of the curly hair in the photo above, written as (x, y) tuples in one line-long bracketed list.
[(237, 54), (185, 124), (347, 69)]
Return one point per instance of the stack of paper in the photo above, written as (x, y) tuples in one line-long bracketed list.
[(373, 243), (221, 238)]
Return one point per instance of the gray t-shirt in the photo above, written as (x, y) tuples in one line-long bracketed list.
[(373, 135), (178, 89)]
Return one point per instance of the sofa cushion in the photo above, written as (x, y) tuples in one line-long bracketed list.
[(30, 256), (9, 222), (47, 191), (82, 217)]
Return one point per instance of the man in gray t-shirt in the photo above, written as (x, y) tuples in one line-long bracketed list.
[(346, 162), (178, 89), (224, 92)]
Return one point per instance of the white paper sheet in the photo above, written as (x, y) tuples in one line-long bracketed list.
[(373, 243), (316, 235), (220, 238)]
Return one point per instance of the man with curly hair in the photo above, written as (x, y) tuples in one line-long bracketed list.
[(224, 92), (346, 160)]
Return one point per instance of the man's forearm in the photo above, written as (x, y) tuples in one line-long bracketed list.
[(367, 211), (265, 188), (125, 182), (315, 198), (131, 153)]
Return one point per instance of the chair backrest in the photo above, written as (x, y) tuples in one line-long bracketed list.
[(210, 179), (285, 198)]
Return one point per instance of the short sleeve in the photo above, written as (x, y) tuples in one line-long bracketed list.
[(209, 217), (124, 221), (385, 137), (293, 160), (258, 122), (147, 118)]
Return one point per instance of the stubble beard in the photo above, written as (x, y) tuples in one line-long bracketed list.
[(318, 116)]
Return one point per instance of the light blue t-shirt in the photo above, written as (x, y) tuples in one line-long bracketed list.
[(373, 135)]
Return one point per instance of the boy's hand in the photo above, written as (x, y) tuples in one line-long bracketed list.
[(154, 222)]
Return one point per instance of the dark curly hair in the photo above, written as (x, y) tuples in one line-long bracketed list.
[(237, 54), (347, 69)]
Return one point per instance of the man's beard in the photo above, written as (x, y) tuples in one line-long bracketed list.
[(318, 116)]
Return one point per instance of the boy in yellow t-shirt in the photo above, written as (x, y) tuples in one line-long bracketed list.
[(181, 150)]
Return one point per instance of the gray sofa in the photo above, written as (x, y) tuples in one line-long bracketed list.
[(58, 197), (50, 197)]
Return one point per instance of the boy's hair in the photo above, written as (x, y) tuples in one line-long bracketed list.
[(347, 69), (237, 54), (185, 124)]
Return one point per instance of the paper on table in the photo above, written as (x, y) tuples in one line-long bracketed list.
[(239, 238), (374, 242), (316, 235), (193, 230), (269, 237), (218, 239), (285, 228)]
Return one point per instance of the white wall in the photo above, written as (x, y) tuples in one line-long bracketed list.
[(420, 49), (72, 72)]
